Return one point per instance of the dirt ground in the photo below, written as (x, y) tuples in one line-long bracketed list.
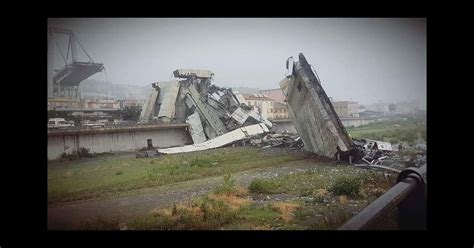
[(73, 215)]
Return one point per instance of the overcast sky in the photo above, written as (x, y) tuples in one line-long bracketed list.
[(365, 60)]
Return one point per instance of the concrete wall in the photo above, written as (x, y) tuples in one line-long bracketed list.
[(115, 141)]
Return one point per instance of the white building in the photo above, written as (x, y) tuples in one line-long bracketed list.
[(346, 109), (261, 104)]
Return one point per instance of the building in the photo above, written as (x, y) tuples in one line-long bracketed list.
[(129, 103), (378, 107), (280, 111), (261, 104), (275, 94), (346, 109), (63, 103), (405, 108), (101, 104)]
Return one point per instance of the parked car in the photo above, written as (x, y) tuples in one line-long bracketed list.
[(59, 122), (91, 124)]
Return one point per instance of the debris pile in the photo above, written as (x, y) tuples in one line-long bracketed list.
[(284, 139), (385, 155), (210, 111)]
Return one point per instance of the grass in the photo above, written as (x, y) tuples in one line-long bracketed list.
[(210, 212), (346, 185), (105, 176), (229, 207), (264, 186), (394, 131), (322, 180)]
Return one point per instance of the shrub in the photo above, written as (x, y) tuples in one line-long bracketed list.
[(263, 186), (69, 156), (217, 212), (349, 186), (320, 195), (228, 187), (332, 220), (84, 152), (76, 154)]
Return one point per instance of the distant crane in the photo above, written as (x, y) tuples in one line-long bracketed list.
[(65, 81)]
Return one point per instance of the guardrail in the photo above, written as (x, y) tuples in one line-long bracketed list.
[(407, 197)]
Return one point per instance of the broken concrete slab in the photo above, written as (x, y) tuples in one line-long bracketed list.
[(312, 112), (185, 73), (208, 114), (149, 106), (225, 139), (166, 100), (195, 128)]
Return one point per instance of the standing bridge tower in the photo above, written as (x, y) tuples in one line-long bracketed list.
[(64, 82)]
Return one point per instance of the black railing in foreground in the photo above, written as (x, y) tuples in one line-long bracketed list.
[(408, 196)]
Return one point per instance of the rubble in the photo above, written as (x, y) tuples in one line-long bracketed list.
[(284, 139), (384, 155), (210, 111), (148, 153)]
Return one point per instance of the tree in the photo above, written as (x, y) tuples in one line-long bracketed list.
[(131, 113)]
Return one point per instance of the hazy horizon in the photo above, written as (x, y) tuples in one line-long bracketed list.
[(361, 59)]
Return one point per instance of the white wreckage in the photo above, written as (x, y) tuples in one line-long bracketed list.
[(216, 116)]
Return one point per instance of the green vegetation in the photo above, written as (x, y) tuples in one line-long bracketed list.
[(106, 176), (77, 154), (226, 208), (130, 113), (264, 186), (228, 187), (395, 131), (349, 186), (231, 208)]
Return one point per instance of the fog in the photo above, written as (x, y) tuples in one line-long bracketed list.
[(365, 60)]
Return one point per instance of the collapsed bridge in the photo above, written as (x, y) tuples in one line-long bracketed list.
[(313, 115)]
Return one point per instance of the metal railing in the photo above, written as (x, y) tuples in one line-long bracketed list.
[(408, 197)]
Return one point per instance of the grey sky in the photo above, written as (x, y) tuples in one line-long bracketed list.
[(366, 60)]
